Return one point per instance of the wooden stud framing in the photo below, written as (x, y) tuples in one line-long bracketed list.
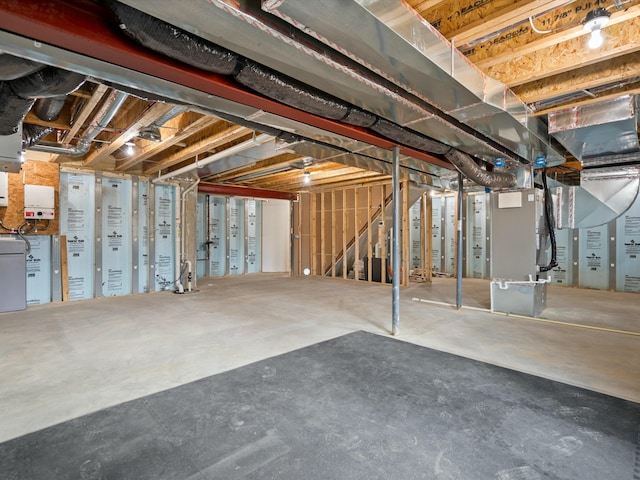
[(427, 231), (369, 247), (345, 225), (314, 234), (406, 243), (356, 223), (322, 233), (333, 234)]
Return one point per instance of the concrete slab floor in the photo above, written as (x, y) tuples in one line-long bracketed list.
[(63, 360)]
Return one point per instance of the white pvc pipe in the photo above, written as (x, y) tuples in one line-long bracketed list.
[(183, 235), (241, 147), (178, 242)]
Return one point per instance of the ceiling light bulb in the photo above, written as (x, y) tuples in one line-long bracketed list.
[(129, 149), (595, 40), (306, 177), (595, 20)]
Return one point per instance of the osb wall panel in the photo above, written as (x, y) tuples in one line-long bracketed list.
[(33, 173)]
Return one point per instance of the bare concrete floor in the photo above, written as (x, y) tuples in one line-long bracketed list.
[(63, 360)]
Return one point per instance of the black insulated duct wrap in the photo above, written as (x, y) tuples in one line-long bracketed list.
[(15, 67), (408, 137), (171, 41), (13, 109), (32, 134), (359, 118), (290, 92), (468, 167), (48, 82), (48, 109)]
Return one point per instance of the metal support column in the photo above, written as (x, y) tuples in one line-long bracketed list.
[(459, 249), (395, 244)]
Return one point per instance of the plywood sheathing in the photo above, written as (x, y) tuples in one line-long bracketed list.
[(616, 70), (33, 173), (557, 59)]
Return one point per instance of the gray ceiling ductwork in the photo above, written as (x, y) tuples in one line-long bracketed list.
[(600, 129), (108, 109), (32, 134), (602, 196), (468, 167), (269, 42), (12, 67), (48, 109), (388, 38), (196, 51), (18, 95)]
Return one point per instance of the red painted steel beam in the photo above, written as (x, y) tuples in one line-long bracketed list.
[(234, 190), (86, 28)]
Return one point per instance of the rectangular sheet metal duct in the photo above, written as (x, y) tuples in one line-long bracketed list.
[(391, 39), (243, 29), (599, 129)]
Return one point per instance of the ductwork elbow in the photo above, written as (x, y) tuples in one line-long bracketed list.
[(468, 167)]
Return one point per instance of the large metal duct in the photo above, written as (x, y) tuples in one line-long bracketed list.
[(390, 39), (603, 195), (248, 32), (602, 129), (276, 85)]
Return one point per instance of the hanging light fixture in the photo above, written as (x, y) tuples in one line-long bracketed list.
[(595, 20), (130, 146), (306, 177)]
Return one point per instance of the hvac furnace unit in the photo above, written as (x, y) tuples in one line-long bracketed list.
[(13, 275), (517, 241)]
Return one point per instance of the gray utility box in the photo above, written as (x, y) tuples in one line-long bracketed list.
[(13, 275), (520, 298)]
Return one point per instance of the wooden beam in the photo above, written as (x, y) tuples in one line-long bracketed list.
[(148, 116), (524, 41), (211, 142), (611, 71), (314, 233), (422, 5), (175, 136), (96, 97), (620, 39), (512, 13)]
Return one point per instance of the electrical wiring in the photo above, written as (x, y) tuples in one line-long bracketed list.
[(548, 216)]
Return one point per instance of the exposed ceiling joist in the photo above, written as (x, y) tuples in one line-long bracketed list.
[(176, 135), (144, 118), (611, 72), (556, 59), (206, 144)]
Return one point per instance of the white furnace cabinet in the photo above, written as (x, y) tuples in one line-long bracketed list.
[(13, 275)]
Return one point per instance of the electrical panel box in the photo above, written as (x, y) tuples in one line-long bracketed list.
[(39, 202), (4, 189)]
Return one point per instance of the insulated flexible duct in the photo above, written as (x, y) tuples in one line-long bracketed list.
[(13, 109), (32, 134), (408, 137), (48, 109), (48, 82), (171, 41), (468, 167), (193, 50), (18, 95), (299, 95), (15, 67)]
